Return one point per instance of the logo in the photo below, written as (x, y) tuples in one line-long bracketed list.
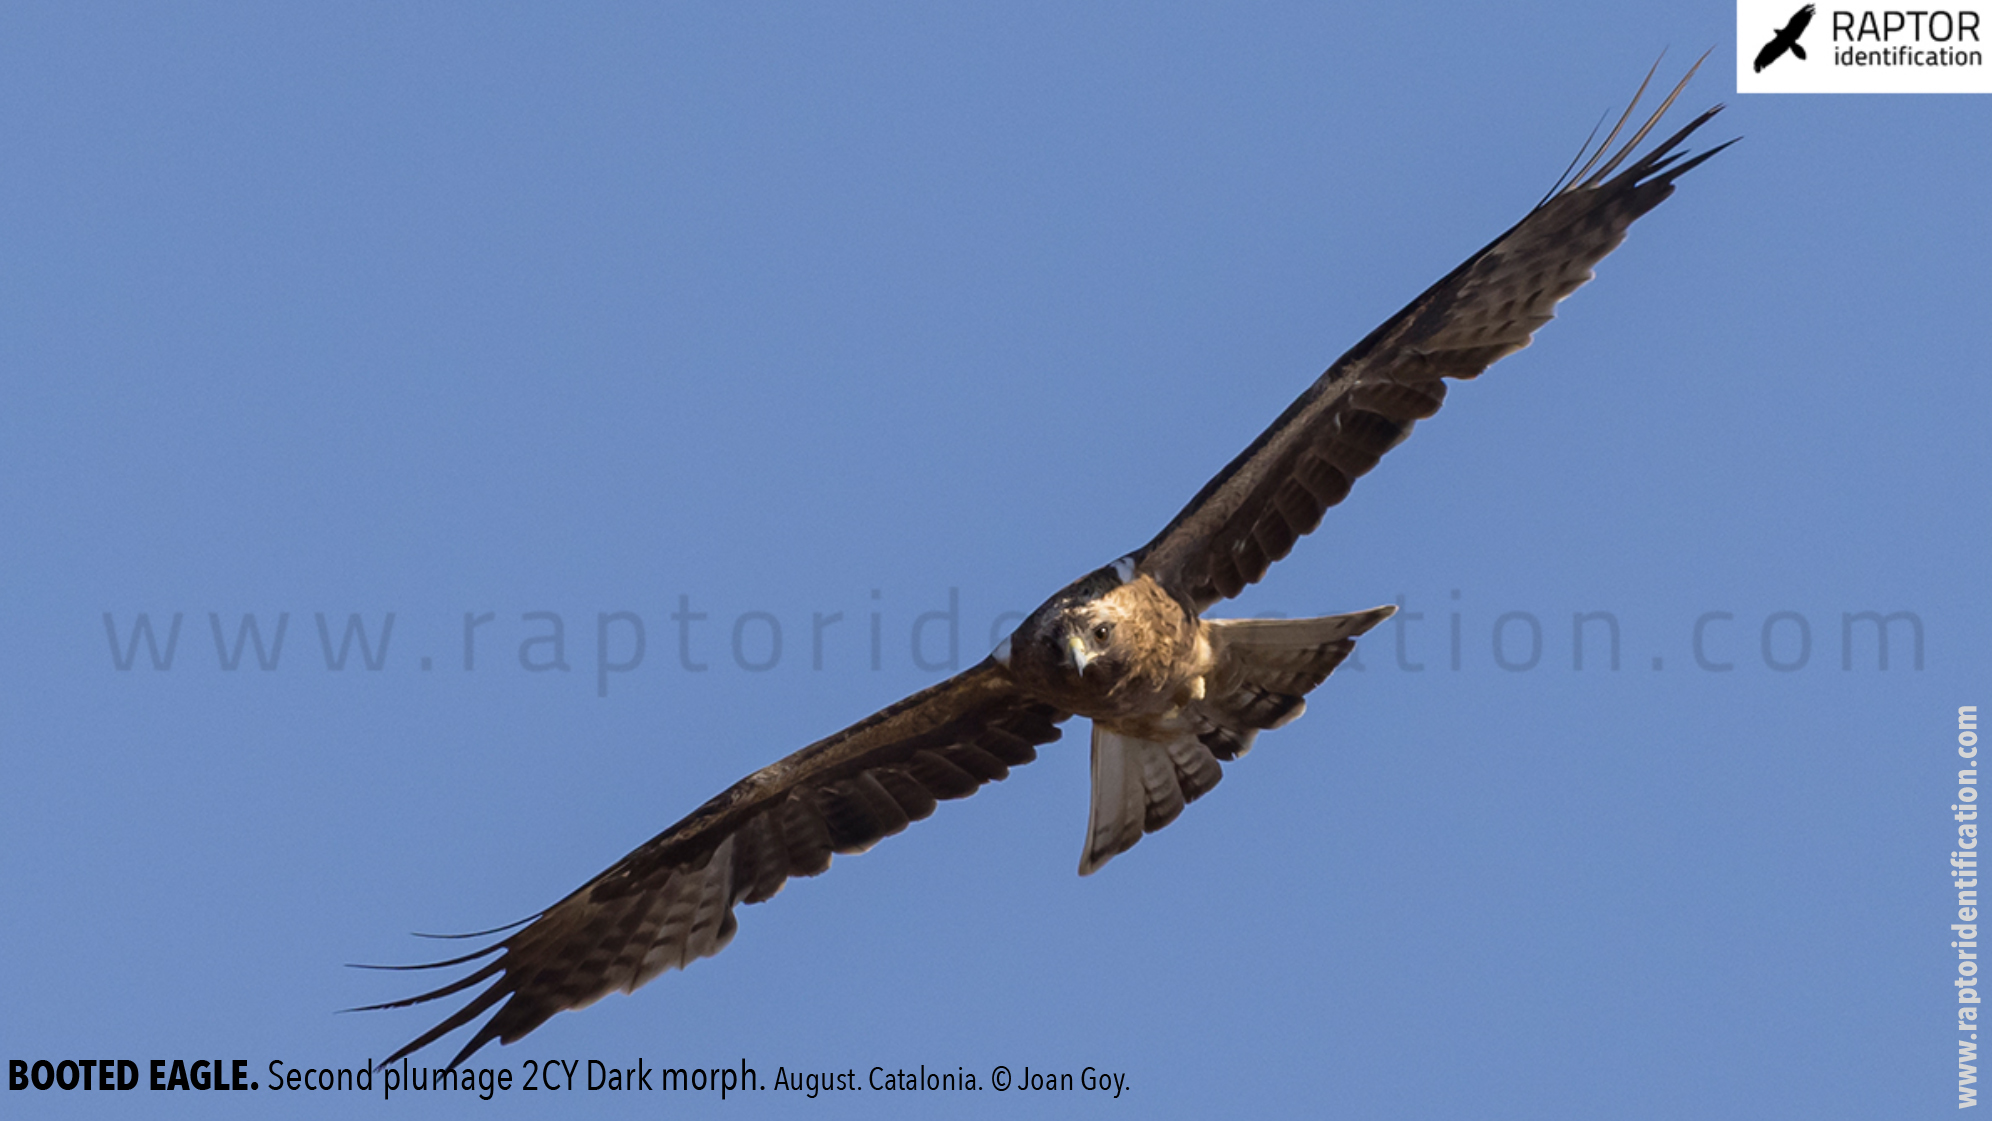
[(1863, 46), (1786, 40)]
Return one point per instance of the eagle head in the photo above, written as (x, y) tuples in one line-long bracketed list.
[(1094, 638)]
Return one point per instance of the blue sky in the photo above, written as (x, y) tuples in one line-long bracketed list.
[(771, 314)]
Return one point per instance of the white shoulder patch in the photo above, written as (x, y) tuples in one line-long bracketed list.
[(1002, 653), (1124, 568)]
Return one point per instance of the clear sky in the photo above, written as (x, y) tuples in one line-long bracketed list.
[(740, 318)]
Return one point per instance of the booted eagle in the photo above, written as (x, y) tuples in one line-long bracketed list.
[(1172, 696)]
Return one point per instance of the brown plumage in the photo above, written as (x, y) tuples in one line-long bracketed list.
[(1171, 695)]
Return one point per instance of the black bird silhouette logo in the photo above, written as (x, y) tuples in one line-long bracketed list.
[(1786, 39)]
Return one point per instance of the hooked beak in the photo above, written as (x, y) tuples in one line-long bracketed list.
[(1081, 657)]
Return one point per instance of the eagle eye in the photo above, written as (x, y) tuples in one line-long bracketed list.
[(1103, 632)]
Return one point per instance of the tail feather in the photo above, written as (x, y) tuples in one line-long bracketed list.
[(1139, 786), (1118, 810), (1265, 667)]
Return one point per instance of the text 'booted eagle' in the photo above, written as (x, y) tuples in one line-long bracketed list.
[(1171, 695)]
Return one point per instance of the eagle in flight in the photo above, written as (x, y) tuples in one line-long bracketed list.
[(1172, 696)]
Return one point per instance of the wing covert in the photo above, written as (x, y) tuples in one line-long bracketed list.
[(1276, 490), (671, 901)]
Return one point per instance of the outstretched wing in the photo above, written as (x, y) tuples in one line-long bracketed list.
[(1251, 514), (671, 901), (1800, 20)]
